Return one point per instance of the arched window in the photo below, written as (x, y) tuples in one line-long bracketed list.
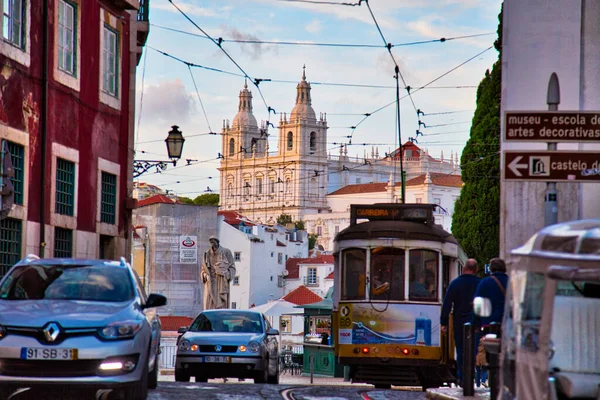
[(313, 141), (231, 147), (290, 141)]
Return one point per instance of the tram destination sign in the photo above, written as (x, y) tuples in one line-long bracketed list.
[(552, 166), (391, 212), (552, 126)]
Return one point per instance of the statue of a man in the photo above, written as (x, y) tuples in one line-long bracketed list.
[(218, 269)]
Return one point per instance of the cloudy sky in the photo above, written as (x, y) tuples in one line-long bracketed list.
[(185, 79)]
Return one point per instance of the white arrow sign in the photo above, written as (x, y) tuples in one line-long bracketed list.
[(515, 166)]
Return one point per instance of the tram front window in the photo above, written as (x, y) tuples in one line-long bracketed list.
[(354, 274), (423, 275), (387, 274)]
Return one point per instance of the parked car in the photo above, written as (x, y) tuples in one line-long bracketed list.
[(78, 323), (228, 343)]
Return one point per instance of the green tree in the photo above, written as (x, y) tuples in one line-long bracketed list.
[(299, 225), (312, 240), (207, 199), (185, 200), (476, 218), (284, 219)]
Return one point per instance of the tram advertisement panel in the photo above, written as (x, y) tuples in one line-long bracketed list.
[(377, 323)]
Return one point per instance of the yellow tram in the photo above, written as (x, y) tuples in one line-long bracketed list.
[(392, 268)]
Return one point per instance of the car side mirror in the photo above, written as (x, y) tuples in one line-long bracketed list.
[(482, 306), (272, 332), (182, 330), (155, 300)]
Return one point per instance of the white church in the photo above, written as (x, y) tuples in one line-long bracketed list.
[(301, 179)]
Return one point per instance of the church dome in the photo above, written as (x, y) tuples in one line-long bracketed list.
[(303, 108), (244, 116)]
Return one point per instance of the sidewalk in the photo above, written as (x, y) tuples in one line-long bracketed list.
[(447, 393)]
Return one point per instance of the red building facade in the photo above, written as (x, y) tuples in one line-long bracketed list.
[(67, 101)]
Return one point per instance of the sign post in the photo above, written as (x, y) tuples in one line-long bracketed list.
[(551, 195)]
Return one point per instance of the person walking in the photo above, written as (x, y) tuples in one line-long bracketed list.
[(459, 299), (492, 287)]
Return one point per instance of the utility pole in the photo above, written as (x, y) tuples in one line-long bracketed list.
[(551, 195)]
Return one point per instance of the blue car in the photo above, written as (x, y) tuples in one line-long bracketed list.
[(228, 343)]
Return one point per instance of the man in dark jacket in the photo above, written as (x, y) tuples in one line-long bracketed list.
[(494, 288), (459, 298)]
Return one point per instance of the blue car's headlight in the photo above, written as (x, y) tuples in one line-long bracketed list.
[(184, 345), (120, 330), (254, 347)]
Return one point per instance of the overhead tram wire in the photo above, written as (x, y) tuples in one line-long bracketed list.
[(218, 44), (316, 44), (200, 99)]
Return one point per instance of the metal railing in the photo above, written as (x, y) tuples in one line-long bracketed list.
[(144, 11), (167, 356)]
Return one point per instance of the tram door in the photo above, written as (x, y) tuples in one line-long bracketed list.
[(447, 340)]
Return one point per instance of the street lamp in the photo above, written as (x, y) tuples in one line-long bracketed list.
[(174, 148)]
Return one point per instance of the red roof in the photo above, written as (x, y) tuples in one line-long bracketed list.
[(156, 199), (234, 218), (292, 265), (361, 188), (437, 179), (172, 323), (330, 276), (302, 295)]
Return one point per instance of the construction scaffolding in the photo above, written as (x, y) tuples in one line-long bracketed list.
[(172, 238)]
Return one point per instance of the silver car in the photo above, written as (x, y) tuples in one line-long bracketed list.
[(82, 323), (228, 343)]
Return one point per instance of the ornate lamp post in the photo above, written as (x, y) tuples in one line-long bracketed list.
[(174, 148)]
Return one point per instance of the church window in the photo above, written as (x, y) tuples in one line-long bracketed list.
[(231, 147), (288, 185), (313, 141), (290, 141), (271, 185), (259, 185), (246, 188)]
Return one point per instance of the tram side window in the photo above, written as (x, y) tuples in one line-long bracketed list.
[(387, 274), (423, 275), (354, 274)]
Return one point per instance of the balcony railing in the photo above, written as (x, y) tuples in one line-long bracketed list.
[(144, 11)]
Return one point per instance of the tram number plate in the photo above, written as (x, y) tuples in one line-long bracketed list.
[(39, 353)]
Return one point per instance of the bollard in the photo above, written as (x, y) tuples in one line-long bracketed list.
[(346, 373), (311, 359), (468, 368)]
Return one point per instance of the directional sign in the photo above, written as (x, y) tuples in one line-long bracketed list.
[(552, 126), (552, 166)]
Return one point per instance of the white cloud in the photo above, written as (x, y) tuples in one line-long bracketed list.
[(314, 26), (189, 9)]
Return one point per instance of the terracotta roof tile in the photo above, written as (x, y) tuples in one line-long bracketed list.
[(235, 218), (172, 323), (437, 179), (330, 276), (302, 295), (156, 199), (361, 188), (292, 265)]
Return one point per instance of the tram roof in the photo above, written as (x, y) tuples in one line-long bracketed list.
[(579, 239), (406, 230)]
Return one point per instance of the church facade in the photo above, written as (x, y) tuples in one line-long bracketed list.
[(295, 179)]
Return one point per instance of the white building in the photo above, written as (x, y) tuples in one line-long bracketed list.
[(260, 254), (295, 178), (433, 188), (315, 273)]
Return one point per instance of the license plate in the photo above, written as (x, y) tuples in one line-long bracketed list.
[(36, 353), (217, 359)]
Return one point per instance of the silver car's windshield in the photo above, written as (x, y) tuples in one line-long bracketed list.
[(67, 282), (227, 321)]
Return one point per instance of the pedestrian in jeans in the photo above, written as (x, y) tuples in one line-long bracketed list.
[(459, 298), (492, 287)]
